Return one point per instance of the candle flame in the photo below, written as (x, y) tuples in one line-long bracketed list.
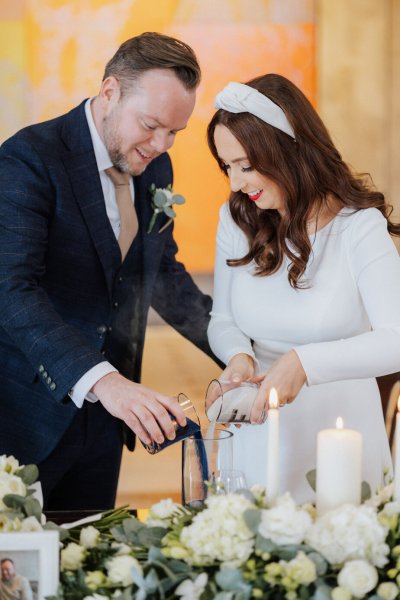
[(398, 403), (273, 398), (339, 423)]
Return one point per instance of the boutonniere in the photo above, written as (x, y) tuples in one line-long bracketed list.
[(162, 201)]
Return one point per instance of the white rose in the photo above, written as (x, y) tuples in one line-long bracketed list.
[(350, 533), (9, 464), (163, 509), (358, 577), (339, 593), (284, 523), (162, 513), (72, 557), (95, 597), (10, 484), (301, 569), (387, 590), (120, 569), (89, 537), (31, 524)]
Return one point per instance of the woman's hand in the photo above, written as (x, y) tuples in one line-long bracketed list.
[(286, 375), (239, 368)]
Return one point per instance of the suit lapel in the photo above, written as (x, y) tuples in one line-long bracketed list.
[(81, 167)]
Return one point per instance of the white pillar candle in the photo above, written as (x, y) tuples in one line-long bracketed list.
[(396, 487), (339, 462), (273, 447)]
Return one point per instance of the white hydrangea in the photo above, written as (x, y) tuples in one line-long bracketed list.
[(72, 557), (10, 484), (162, 513), (285, 523), (89, 537), (358, 577), (350, 532), (119, 569), (219, 532)]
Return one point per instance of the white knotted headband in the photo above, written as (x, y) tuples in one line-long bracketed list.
[(238, 98)]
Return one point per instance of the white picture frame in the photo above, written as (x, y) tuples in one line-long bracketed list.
[(36, 556)]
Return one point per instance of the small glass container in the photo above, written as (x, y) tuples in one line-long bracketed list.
[(231, 402), (192, 426)]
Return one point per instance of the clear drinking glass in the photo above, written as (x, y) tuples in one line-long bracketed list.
[(231, 402), (204, 456), (192, 426)]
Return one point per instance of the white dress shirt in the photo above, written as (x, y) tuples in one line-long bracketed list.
[(81, 390)]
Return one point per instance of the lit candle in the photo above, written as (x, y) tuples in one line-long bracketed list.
[(273, 446), (396, 490), (339, 460)]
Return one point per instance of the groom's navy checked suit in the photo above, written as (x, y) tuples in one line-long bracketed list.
[(66, 301)]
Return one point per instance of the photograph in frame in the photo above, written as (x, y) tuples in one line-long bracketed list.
[(30, 563)]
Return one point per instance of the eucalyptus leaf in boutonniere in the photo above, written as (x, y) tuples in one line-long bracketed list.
[(162, 201)]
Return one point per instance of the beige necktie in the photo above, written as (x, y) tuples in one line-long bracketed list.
[(127, 212)]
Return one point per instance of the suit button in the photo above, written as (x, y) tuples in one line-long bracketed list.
[(49, 380), (115, 305), (109, 328), (44, 374), (101, 329), (103, 352), (53, 386), (120, 279), (41, 369)]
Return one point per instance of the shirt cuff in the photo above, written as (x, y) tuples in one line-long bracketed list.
[(81, 390)]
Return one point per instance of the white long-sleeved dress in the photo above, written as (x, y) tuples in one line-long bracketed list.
[(345, 328)]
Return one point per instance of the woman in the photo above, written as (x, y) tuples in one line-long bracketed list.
[(307, 281)]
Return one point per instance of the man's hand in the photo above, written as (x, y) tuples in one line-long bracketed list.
[(143, 410), (286, 375)]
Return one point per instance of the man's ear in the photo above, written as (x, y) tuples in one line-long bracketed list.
[(110, 91)]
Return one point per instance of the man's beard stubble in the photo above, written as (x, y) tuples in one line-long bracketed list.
[(112, 143)]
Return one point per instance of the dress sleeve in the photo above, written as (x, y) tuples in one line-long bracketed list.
[(225, 337), (375, 265)]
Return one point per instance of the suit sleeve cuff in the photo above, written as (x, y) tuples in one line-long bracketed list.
[(81, 390)]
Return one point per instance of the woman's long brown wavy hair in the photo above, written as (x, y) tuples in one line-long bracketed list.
[(310, 171)]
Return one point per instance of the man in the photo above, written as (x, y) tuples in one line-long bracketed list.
[(12, 585), (74, 293)]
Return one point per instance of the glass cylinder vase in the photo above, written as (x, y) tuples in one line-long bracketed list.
[(203, 456)]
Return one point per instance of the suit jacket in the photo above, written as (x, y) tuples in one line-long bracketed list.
[(66, 301)]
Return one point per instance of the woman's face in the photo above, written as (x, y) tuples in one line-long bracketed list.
[(261, 190)]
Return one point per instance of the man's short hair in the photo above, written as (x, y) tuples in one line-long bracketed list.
[(153, 51)]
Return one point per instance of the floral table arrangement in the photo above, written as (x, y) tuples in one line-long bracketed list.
[(232, 547)]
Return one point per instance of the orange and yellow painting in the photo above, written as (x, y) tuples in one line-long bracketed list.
[(53, 53)]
